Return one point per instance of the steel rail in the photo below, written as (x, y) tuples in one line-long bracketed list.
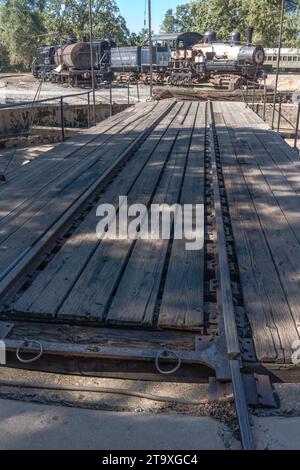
[(226, 297)]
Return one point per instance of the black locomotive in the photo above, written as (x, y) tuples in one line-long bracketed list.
[(178, 59)]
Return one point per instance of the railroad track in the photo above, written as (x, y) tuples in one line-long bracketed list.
[(226, 296), (224, 353)]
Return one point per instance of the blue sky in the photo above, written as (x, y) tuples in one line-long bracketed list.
[(133, 11)]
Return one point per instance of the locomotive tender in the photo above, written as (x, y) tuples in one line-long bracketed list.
[(178, 59), (71, 63)]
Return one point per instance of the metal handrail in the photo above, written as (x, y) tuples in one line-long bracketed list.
[(279, 111), (46, 100)]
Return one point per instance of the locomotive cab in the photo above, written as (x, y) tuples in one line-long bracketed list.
[(174, 46), (44, 62)]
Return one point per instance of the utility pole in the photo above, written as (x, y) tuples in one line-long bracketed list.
[(92, 61), (150, 47), (278, 58)]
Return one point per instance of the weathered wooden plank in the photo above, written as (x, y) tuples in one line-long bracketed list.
[(135, 301), (93, 290), (281, 247), (182, 302), (273, 139), (263, 295), (53, 285), (103, 336), (36, 176), (75, 144), (286, 190), (277, 205), (54, 182)]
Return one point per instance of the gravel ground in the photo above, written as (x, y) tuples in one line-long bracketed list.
[(20, 88)]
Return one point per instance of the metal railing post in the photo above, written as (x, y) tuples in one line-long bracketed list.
[(30, 105), (110, 99), (89, 109), (253, 95), (297, 128), (62, 122), (279, 113), (265, 99)]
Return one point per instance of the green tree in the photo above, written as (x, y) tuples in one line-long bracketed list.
[(71, 18), (264, 15), (226, 16), (221, 16), (4, 57), (184, 17), (21, 22), (169, 24), (139, 39)]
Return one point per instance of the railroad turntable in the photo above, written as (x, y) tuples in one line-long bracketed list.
[(74, 303)]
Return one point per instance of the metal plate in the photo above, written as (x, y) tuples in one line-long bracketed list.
[(5, 329)]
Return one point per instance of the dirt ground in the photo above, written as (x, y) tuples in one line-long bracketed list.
[(23, 87)]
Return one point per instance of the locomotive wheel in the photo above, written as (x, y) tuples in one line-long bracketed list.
[(236, 83)]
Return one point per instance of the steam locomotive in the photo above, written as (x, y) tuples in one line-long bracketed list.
[(71, 63), (178, 59)]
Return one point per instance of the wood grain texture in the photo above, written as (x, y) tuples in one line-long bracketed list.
[(136, 298), (272, 247), (182, 301), (61, 277)]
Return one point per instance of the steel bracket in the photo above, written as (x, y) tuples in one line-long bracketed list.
[(258, 388), (5, 329), (213, 352), (210, 351)]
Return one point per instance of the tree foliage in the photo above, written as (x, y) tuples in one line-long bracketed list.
[(139, 39), (20, 24), (225, 16), (25, 24), (23, 21), (71, 18)]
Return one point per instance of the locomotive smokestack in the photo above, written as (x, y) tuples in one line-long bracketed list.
[(249, 35), (236, 38)]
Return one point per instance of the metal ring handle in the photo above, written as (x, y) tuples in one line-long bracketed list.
[(27, 343), (166, 353)]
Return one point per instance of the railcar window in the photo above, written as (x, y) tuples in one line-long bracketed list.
[(274, 58), (290, 59), (269, 58), (162, 46), (294, 58), (284, 58)]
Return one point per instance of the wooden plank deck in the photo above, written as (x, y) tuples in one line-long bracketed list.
[(30, 206), (119, 282), (262, 176), (157, 284)]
